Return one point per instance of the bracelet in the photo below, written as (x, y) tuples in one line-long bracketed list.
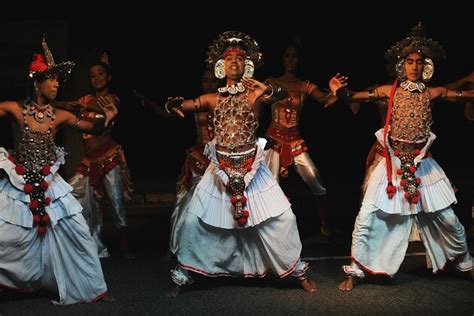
[(168, 103), (196, 105), (81, 116), (371, 95), (267, 96), (280, 93)]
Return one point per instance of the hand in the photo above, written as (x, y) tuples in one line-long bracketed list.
[(337, 82), (108, 105), (175, 104), (253, 84), (109, 99)]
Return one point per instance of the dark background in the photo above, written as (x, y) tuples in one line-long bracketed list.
[(161, 58)]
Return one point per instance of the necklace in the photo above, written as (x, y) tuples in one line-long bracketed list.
[(413, 86), (39, 112), (232, 89)]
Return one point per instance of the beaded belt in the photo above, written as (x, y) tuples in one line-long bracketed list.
[(407, 152), (236, 166)]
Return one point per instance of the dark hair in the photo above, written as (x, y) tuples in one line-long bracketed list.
[(291, 45), (297, 48), (106, 67)]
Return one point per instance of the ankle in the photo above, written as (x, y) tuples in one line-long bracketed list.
[(307, 284)]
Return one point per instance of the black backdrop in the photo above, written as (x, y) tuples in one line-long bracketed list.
[(163, 59)]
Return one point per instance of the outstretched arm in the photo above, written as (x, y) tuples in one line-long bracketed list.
[(460, 83), (326, 98), (148, 103), (338, 85), (179, 105), (97, 105), (86, 123), (7, 107), (451, 95), (82, 104)]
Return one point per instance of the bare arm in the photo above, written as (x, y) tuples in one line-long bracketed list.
[(451, 95), (326, 98), (338, 83), (179, 105), (81, 122), (316, 93), (7, 108), (268, 100), (148, 103), (458, 84), (96, 105), (91, 124), (264, 93), (77, 106)]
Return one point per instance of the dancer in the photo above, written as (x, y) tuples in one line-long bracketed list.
[(103, 174), (287, 146), (238, 221), (408, 187), (44, 239)]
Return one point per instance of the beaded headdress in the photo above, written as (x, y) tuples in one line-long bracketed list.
[(236, 42), (419, 43), (416, 42), (43, 66)]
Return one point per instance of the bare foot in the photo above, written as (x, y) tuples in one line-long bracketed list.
[(173, 290), (308, 285), (348, 284)]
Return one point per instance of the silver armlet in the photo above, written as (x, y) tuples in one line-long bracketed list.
[(371, 95)]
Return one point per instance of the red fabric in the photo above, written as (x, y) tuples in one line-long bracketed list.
[(234, 50), (285, 138), (38, 63), (95, 164), (390, 187)]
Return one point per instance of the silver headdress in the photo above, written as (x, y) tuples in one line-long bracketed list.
[(419, 43), (234, 40)]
